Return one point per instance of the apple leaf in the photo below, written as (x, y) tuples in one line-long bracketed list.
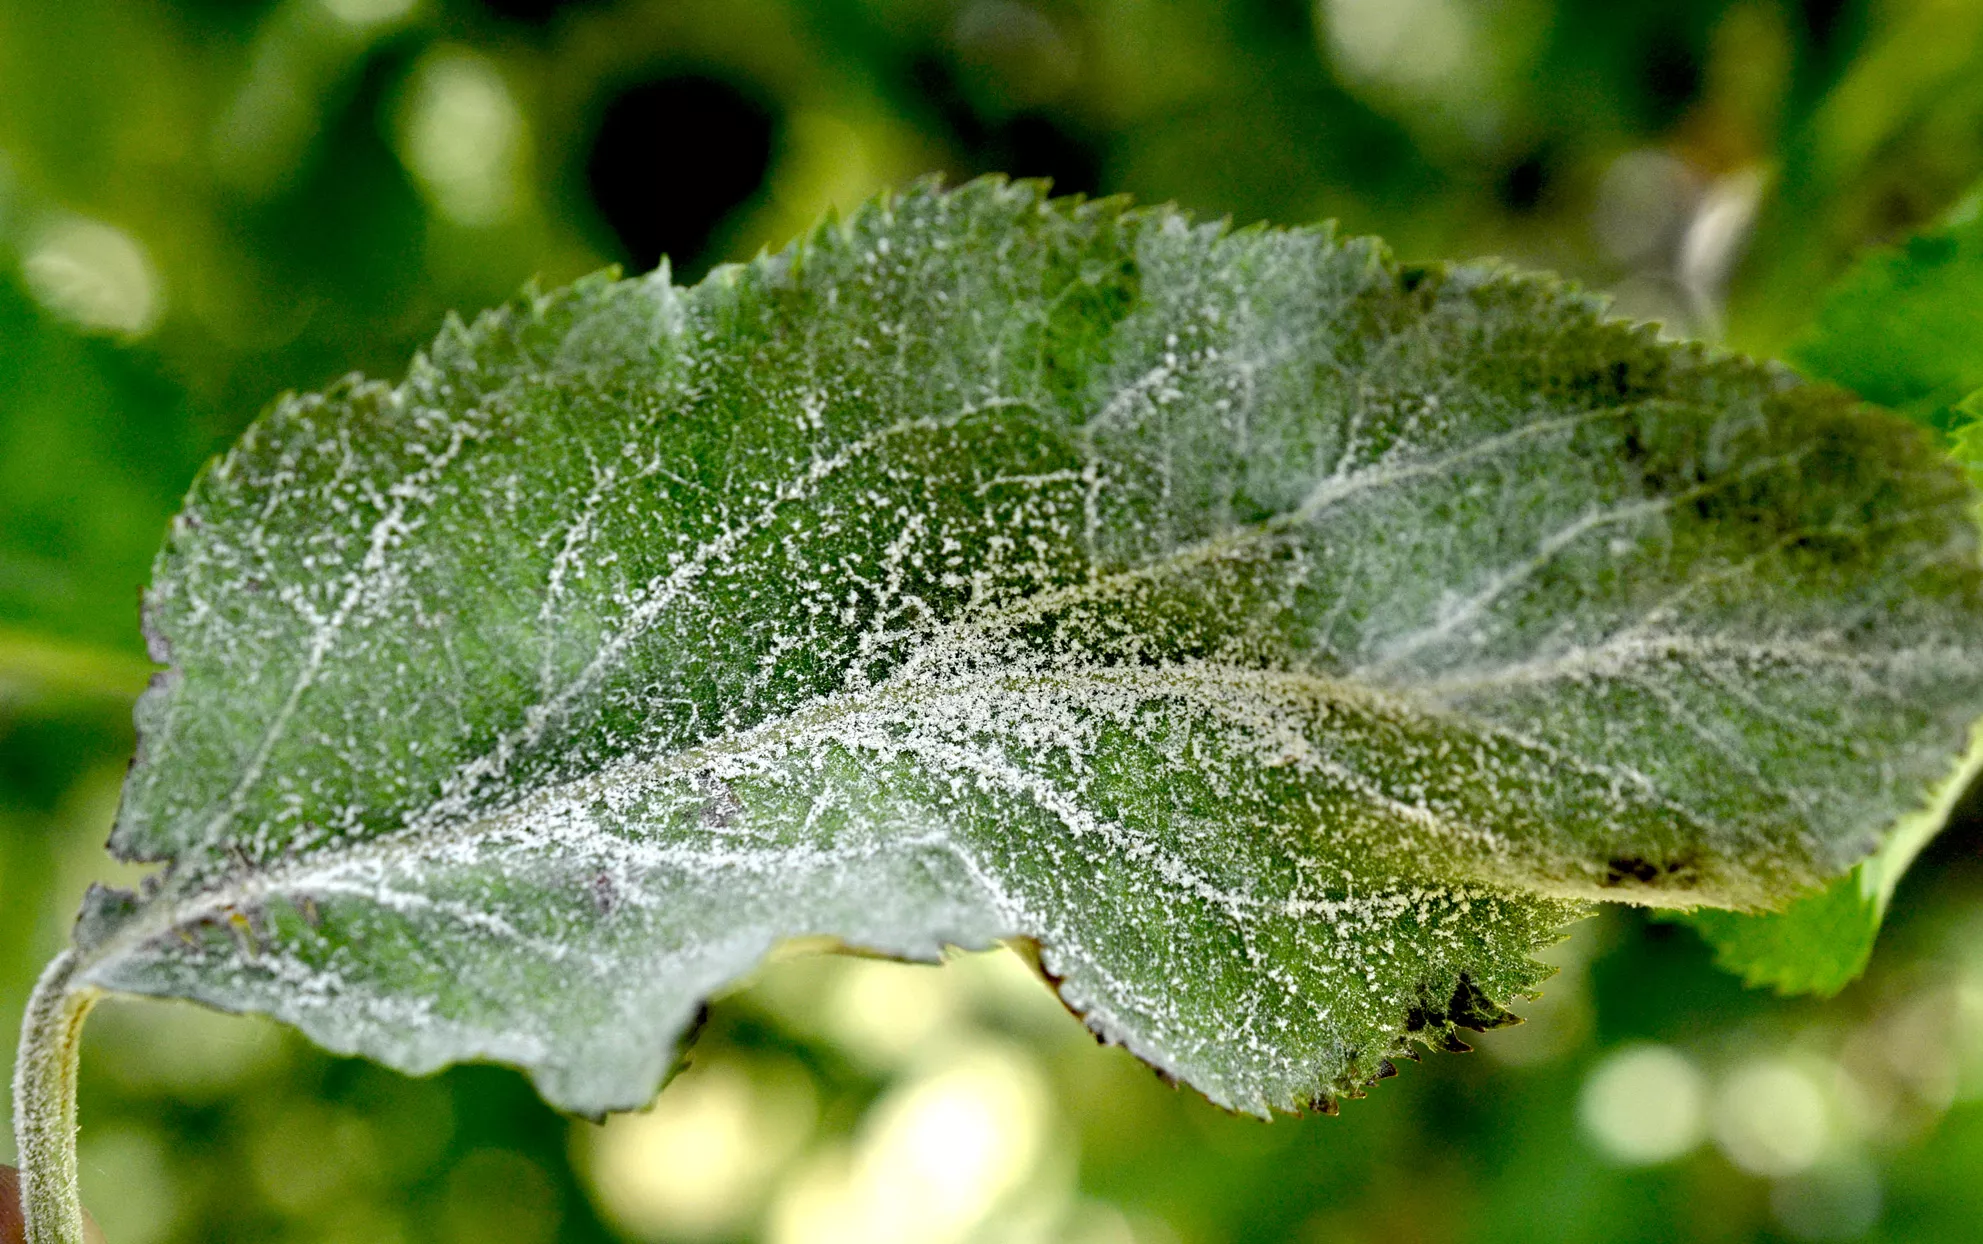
[(1285, 642)]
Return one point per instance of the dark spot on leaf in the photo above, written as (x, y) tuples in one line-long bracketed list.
[(1434, 1023), (1626, 871), (689, 1035), (720, 807), (1632, 449), (1474, 1010), (1625, 868), (605, 895)]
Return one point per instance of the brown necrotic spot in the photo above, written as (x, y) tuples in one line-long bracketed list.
[(1472, 1009), (1449, 1042), (1631, 871), (605, 894)]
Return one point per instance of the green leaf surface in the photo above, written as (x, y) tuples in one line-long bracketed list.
[(1284, 642), (1903, 328)]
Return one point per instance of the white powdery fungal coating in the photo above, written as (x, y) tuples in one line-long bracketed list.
[(1286, 643)]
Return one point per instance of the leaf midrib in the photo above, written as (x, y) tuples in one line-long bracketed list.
[(414, 842), (1329, 492)]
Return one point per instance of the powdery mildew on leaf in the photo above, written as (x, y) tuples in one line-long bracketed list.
[(1286, 643)]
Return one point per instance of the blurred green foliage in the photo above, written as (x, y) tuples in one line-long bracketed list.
[(1905, 327), (205, 203)]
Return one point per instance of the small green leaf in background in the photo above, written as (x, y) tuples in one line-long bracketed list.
[(1286, 642), (1905, 329)]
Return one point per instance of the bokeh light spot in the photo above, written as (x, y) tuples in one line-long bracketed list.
[(935, 1158), (1412, 43), (461, 136), (1643, 1105), (697, 1165), (881, 1013), (94, 275), (1770, 1117)]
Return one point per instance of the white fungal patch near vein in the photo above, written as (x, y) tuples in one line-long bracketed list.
[(324, 637), (1629, 652), (1503, 581), (660, 594)]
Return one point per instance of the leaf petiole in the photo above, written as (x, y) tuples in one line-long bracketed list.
[(45, 1102)]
